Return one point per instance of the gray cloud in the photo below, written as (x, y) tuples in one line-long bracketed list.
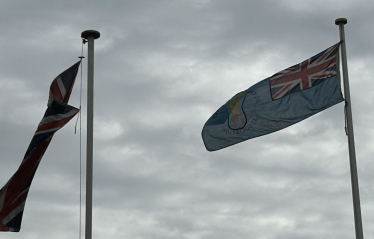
[(161, 69)]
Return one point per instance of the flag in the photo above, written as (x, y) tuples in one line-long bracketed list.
[(277, 102), (13, 195)]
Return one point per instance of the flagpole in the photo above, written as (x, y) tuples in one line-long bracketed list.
[(90, 36), (351, 143)]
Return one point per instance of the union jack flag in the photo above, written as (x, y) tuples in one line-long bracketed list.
[(305, 74), (13, 195)]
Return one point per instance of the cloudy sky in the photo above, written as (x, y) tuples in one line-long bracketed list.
[(162, 68)]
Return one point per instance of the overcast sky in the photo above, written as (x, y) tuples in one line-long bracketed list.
[(162, 68)]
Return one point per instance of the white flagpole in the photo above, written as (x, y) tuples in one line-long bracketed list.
[(351, 143), (90, 36)]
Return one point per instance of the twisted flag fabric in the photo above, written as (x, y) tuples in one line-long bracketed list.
[(13, 195), (277, 102)]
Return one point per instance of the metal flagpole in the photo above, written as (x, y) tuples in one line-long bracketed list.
[(90, 36), (351, 143)]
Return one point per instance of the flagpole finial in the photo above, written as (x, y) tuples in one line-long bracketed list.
[(341, 21), (88, 33)]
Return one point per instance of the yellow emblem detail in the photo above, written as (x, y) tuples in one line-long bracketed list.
[(234, 103)]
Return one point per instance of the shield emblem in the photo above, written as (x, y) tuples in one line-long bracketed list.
[(237, 117)]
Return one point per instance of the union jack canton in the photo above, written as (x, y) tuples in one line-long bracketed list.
[(14, 193), (305, 74)]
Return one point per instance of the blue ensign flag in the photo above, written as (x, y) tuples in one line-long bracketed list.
[(277, 102)]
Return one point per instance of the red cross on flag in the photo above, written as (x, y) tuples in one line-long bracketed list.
[(305, 74)]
